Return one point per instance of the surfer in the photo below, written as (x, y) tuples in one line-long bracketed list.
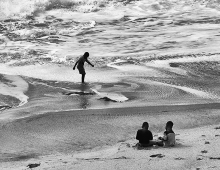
[(80, 65)]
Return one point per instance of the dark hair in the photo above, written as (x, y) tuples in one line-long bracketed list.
[(145, 124), (86, 55), (170, 123)]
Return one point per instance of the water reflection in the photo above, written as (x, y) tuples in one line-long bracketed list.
[(83, 98)]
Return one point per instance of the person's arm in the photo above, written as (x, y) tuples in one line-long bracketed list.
[(75, 64), (137, 136), (89, 63), (164, 138), (151, 136)]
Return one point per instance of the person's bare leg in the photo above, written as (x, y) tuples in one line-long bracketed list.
[(83, 78)]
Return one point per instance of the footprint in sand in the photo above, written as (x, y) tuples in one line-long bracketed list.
[(217, 158), (157, 155), (204, 151), (122, 157), (199, 158), (33, 165), (179, 158)]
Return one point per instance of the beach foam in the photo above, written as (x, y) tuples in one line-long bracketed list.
[(14, 86)]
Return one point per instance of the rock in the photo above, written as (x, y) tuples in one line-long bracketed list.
[(33, 165), (5, 107), (179, 158), (128, 145), (157, 155), (174, 65), (121, 157), (218, 158), (198, 159)]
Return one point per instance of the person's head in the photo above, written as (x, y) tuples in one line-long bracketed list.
[(145, 125), (86, 55), (169, 125)]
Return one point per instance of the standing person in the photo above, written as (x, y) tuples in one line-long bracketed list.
[(144, 136), (169, 136), (80, 65)]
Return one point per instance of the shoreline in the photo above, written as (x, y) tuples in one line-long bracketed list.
[(155, 108), (111, 111)]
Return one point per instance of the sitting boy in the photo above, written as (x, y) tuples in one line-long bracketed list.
[(169, 136), (144, 136)]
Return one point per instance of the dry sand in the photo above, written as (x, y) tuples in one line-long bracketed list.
[(104, 139)]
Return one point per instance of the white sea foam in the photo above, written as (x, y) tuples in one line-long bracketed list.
[(111, 96), (135, 69), (134, 8), (199, 93), (15, 87), (59, 73), (193, 58)]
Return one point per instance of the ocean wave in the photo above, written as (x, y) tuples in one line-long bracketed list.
[(11, 8), (28, 7)]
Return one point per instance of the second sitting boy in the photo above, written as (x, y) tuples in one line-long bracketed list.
[(169, 136)]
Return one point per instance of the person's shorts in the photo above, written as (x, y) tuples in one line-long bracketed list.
[(81, 70)]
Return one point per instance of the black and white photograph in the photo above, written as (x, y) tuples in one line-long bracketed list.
[(110, 84)]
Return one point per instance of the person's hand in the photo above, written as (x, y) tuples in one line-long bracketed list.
[(92, 65), (73, 68)]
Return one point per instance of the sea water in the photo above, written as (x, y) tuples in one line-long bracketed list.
[(145, 52)]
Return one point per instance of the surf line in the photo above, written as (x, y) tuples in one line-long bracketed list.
[(195, 92)]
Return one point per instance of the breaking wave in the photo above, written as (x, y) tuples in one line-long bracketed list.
[(23, 8), (11, 8)]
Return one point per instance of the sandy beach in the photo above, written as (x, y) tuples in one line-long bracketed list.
[(105, 139)]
